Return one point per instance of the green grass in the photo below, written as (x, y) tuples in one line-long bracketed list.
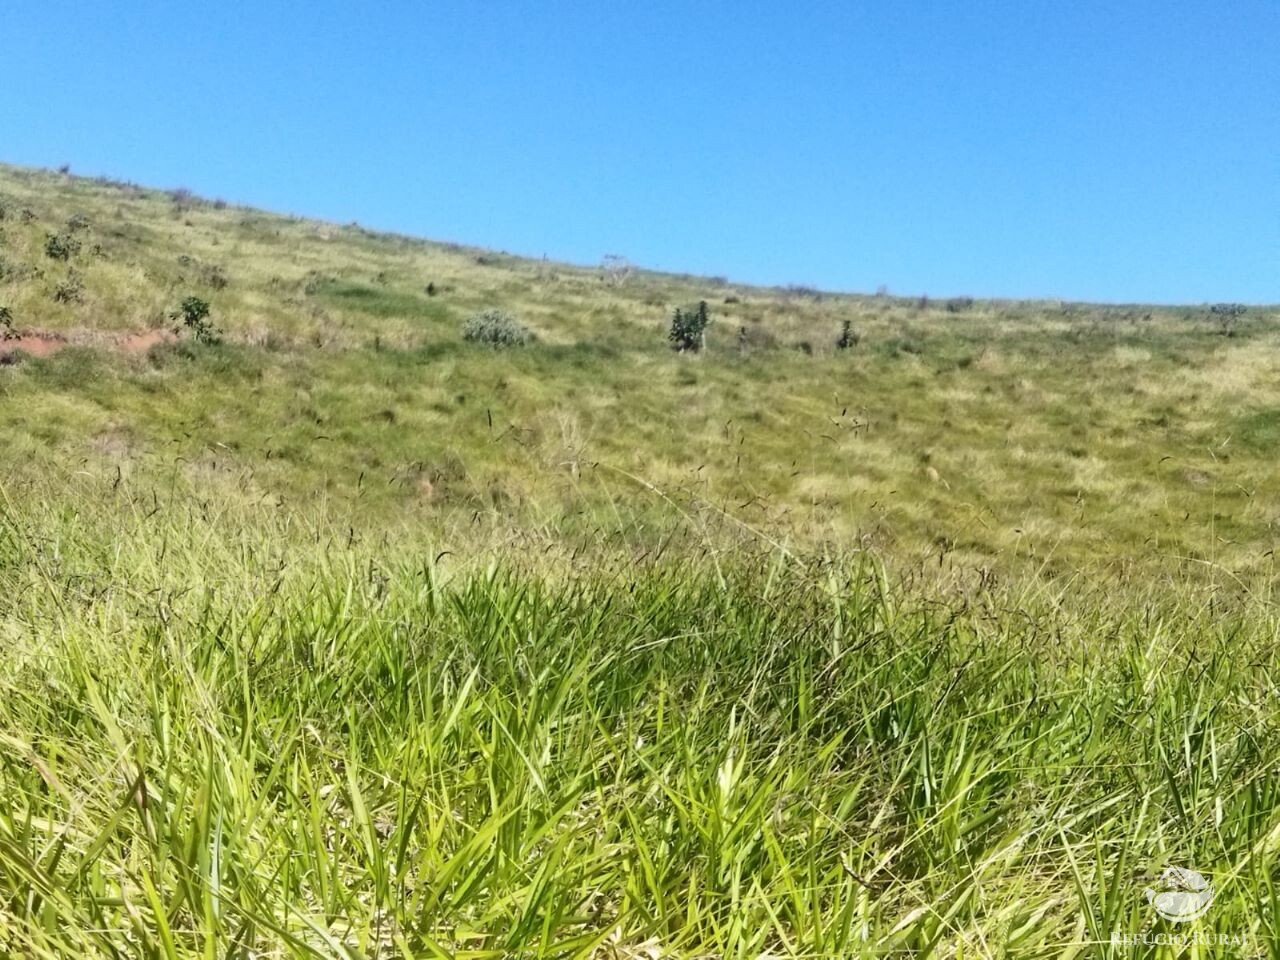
[(346, 638), (380, 302), (220, 745)]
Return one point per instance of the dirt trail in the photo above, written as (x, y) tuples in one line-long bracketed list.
[(43, 344), (34, 345)]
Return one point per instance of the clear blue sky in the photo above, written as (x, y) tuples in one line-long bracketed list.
[(1122, 150)]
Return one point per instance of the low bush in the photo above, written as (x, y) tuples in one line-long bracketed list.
[(61, 246), (70, 290), (496, 328)]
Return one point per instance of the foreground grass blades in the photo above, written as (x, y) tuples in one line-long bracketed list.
[(219, 747)]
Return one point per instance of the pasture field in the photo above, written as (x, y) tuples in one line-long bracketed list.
[(345, 637)]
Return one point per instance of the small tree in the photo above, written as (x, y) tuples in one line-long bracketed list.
[(1228, 316), (689, 328), (194, 314)]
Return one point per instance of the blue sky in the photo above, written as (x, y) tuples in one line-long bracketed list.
[(1109, 151)]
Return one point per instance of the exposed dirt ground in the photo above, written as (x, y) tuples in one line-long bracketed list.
[(35, 344)]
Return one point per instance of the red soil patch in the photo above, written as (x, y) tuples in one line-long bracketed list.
[(142, 342), (33, 345), (43, 344)]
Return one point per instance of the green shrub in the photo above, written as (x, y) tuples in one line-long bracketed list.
[(194, 314), (497, 328), (61, 246), (689, 328)]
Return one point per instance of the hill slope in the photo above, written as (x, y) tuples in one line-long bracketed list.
[(262, 695), (975, 432)]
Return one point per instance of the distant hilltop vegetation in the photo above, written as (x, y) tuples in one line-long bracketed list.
[(157, 340)]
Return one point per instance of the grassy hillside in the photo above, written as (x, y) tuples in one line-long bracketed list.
[(347, 638), (984, 434)]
